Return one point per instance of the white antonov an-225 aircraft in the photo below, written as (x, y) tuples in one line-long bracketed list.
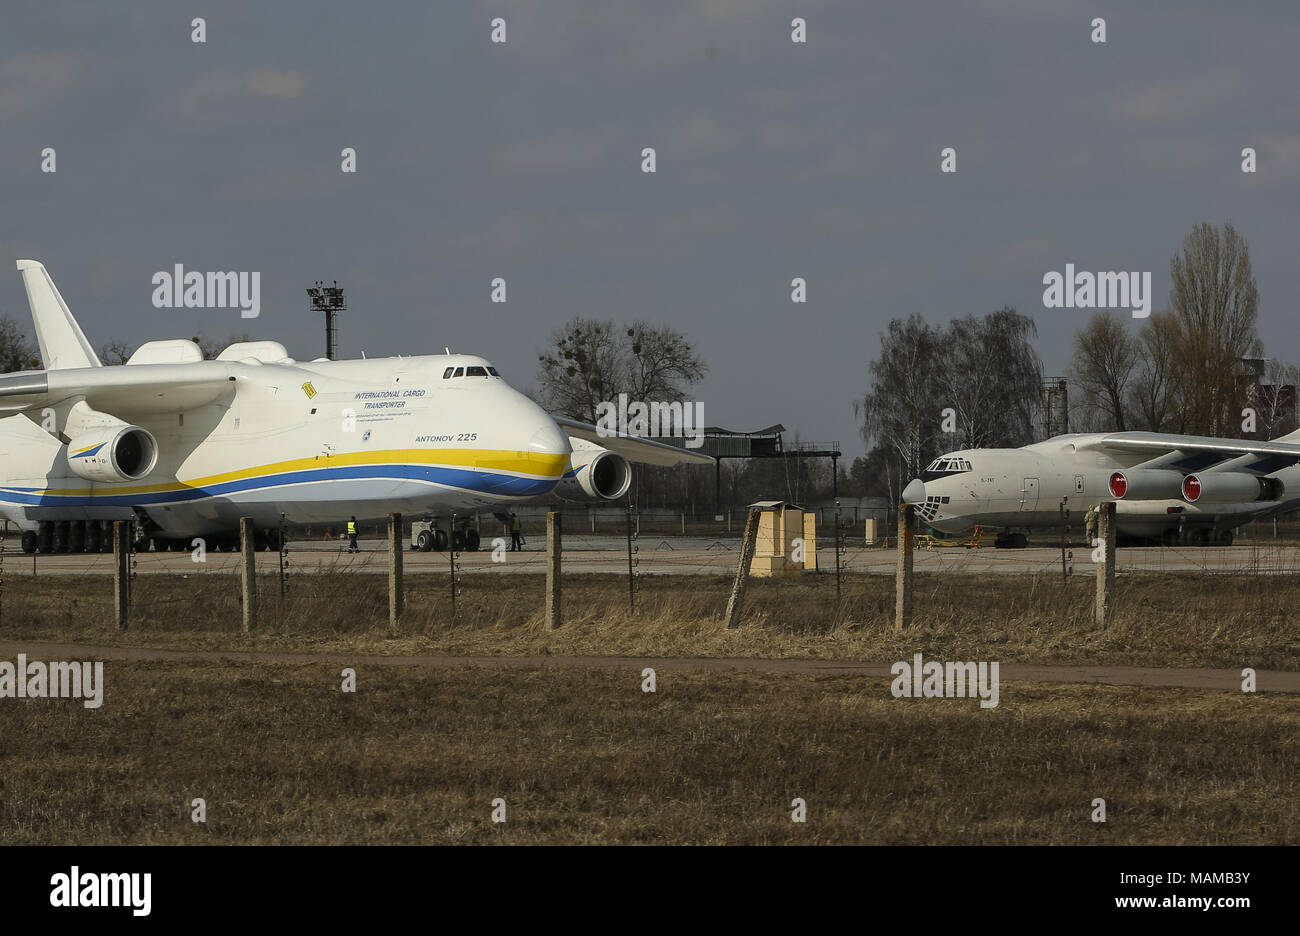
[(1173, 488), (186, 447)]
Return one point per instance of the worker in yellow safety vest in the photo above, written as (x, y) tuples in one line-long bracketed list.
[(352, 535), (516, 533)]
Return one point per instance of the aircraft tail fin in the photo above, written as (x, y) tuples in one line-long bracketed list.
[(63, 344)]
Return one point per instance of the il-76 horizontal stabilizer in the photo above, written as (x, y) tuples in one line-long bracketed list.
[(633, 448)]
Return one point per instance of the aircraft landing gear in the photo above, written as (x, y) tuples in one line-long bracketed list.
[(1010, 541), (31, 541)]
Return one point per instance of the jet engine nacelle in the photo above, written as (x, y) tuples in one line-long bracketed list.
[(601, 474), (113, 453), (1230, 487), (1146, 484)]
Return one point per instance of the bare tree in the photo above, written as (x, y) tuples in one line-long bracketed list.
[(990, 375), (114, 352), (903, 409), (1276, 405), (1105, 356), (591, 362), (1214, 300), (1150, 395), (17, 351)]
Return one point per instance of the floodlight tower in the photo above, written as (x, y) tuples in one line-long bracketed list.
[(328, 299)]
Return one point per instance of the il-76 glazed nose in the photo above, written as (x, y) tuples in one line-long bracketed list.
[(914, 493)]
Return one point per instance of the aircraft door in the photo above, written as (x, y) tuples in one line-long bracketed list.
[(1029, 494)]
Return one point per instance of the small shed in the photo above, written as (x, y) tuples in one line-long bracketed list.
[(780, 523)]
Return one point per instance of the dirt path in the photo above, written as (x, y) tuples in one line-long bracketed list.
[(1224, 679)]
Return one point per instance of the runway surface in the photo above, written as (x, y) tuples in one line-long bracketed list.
[(671, 556), (1219, 679)]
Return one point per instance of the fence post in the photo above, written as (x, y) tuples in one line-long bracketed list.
[(1104, 606), (248, 567), (395, 596), (554, 534), (742, 569), (631, 569), (121, 571), (903, 578)]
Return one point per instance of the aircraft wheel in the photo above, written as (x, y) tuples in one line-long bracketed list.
[(142, 545), (77, 537), (471, 540), (45, 537), (60, 538), (93, 536), (458, 540), (424, 542), (1224, 538), (440, 540), (30, 541), (1200, 537)]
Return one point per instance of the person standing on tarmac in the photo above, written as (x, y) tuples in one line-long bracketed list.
[(516, 533), (352, 535)]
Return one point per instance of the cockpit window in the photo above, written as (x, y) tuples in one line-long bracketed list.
[(476, 372), (460, 372), (447, 373), (493, 372), (942, 467)]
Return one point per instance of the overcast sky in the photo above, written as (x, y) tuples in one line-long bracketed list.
[(522, 160)]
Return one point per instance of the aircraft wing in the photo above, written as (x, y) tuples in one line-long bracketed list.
[(127, 392), (633, 448), (1158, 443)]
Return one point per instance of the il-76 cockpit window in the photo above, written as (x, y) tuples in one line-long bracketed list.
[(942, 467)]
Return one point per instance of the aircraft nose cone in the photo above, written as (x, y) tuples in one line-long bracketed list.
[(914, 493), (549, 440)]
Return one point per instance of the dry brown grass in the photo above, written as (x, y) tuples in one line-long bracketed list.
[(416, 756), (1163, 619)]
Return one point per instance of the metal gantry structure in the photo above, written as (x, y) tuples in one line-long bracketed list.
[(763, 443)]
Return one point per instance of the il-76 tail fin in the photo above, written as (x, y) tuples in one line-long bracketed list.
[(62, 343)]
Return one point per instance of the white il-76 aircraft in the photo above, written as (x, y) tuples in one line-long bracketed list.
[(1173, 488), (185, 447)]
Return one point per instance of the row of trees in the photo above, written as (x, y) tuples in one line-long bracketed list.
[(971, 384), (1187, 369)]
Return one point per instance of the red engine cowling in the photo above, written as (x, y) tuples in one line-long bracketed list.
[(1146, 484), (1230, 487)]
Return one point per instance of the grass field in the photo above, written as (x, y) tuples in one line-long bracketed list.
[(281, 755), (417, 754), (1163, 619)]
